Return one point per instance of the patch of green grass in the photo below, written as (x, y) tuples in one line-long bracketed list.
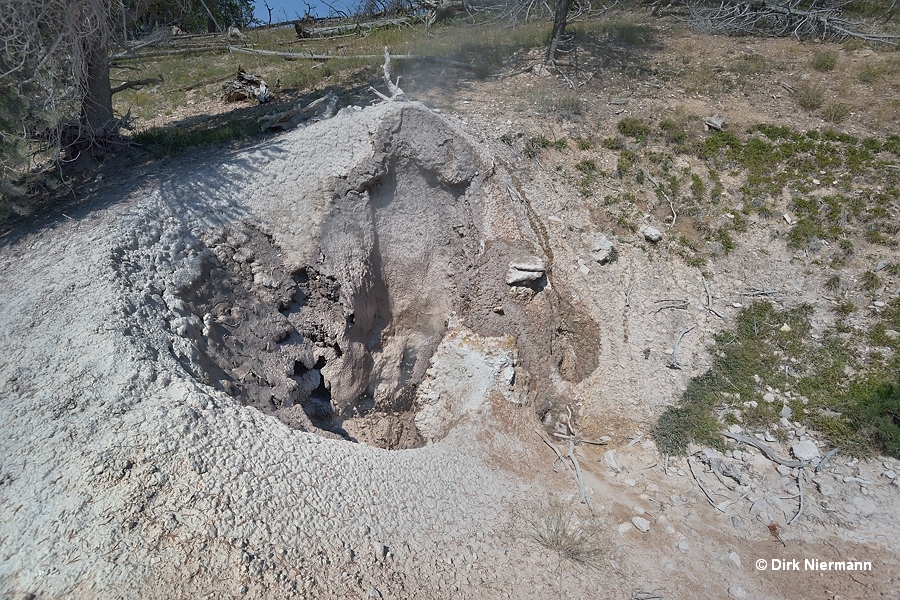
[(826, 60), (755, 347), (163, 142), (626, 162), (809, 96), (749, 64), (870, 281), (613, 143), (586, 166), (582, 144), (634, 128), (836, 112), (868, 74), (773, 347)]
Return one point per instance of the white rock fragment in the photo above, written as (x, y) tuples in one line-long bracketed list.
[(642, 524), (609, 459), (624, 528), (651, 234), (731, 558), (601, 248), (805, 450)]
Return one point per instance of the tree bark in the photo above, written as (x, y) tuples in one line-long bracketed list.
[(559, 27), (96, 105)]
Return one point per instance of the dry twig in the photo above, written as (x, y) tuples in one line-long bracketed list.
[(672, 361)]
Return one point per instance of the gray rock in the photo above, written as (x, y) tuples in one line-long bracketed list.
[(805, 450), (786, 412), (769, 397), (824, 488), (864, 506), (882, 264), (652, 234), (514, 276), (609, 459), (533, 264), (601, 248), (642, 524), (731, 558), (736, 591), (525, 271)]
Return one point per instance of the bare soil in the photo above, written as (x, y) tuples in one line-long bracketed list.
[(166, 347)]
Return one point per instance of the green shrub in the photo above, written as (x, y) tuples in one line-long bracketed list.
[(634, 128), (836, 112), (809, 96), (825, 60)]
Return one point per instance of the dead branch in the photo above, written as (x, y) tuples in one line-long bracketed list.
[(578, 478), (700, 483), (767, 452), (397, 95), (709, 305), (666, 196), (825, 459), (323, 57), (754, 292), (318, 110), (800, 487), (137, 84), (672, 361), (553, 447), (667, 304), (784, 19)]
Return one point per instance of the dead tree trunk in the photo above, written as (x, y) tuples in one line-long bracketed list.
[(559, 28), (96, 105)]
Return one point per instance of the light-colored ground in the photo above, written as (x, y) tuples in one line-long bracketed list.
[(126, 470)]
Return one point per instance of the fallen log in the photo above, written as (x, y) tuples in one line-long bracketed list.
[(317, 110)]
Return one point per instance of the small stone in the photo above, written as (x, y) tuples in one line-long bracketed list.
[(769, 397), (878, 304), (864, 506), (805, 450), (651, 234), (890, 474), (684, 546), (624, 528), (735, 428), (514, 276), (882, 265), (785, 328), (642, 525), (769, 437), (783, 470), (639, 510), (609, 459), (731, 558), (374, 593), (601, 249), (824, 488), (736, 521), (736, 591), (786, 412)]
